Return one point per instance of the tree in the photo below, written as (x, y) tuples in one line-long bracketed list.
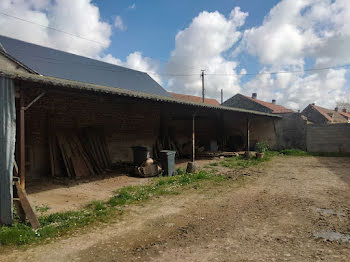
[(343, 104)]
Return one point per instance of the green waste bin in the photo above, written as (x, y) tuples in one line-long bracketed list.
[(167, 159), (140, 154)]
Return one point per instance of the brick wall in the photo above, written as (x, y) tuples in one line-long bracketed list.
[(328, 138), (126, 123)]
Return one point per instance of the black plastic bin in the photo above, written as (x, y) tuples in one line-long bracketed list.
[(167, 159), (140, 154)]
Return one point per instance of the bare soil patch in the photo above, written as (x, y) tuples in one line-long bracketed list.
[(64, 198), (60, 198), (271, 212)]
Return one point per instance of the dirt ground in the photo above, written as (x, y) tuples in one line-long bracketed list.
[(59, 198), (289, 209)]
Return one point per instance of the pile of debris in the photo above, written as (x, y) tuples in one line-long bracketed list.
[(148, 168)]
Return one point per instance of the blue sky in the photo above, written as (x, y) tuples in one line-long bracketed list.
[(227, 38), (153, 25)]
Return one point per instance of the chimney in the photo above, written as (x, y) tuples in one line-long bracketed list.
[(344, 110), (336, 109), (255, 95), (274, 101)]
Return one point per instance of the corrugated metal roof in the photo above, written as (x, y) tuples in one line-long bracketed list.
[(56, 82), (55, 63)]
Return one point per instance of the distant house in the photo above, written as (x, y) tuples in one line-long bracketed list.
[(196, 99), (320, 115), (252, 103)]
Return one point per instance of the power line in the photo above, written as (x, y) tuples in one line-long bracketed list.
[(281, 72), (52, 28), (105, 68), (180, 74)]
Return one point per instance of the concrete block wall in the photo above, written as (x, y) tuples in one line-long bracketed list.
[(328, 138), (291, 131)]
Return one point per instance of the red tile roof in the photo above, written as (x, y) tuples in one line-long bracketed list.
[(346, 114), (196, 99), (276, 109), (338, 117)]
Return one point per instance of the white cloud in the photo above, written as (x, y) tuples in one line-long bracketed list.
[(119, 24), (296, 91), (136, 61), (292, 32), (201, 46), (82, 18), (133, 6)]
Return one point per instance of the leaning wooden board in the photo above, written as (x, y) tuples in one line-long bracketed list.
[(33, 220)]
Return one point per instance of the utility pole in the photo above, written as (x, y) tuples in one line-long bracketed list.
[(203, 93), (222, 96)]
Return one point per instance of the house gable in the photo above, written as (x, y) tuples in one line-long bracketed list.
[(241, 101), (7, 63)]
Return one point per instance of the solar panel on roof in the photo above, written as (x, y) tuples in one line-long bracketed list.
[(50, 62)]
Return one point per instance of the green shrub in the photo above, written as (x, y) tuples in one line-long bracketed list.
[(262, 147)]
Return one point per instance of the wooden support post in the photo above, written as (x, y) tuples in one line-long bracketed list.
[(22, 142), (248, 138), (193, 139)]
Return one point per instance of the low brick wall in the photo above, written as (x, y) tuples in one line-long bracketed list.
[(328, 138)]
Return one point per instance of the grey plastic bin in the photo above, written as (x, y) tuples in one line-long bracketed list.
[(140, 154), (167, 159)]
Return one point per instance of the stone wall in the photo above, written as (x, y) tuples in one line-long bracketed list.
[(328, 138)]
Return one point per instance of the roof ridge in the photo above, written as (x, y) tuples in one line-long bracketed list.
[(58, 50), (276, 108), (321, 110)]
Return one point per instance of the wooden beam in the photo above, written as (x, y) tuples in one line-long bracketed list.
[(34, 100), (22, 142), (248, 134), (193, 139)]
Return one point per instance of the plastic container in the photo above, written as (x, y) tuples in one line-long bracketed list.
[(140, 154), (167, 159)]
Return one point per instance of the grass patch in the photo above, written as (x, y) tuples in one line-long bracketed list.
[(240, 161), (298, 152), (57, 224)]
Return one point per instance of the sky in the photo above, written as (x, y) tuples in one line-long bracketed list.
[(238, 43)]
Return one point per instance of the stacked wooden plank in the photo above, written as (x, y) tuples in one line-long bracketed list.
[(96, 147), (77, 154)]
